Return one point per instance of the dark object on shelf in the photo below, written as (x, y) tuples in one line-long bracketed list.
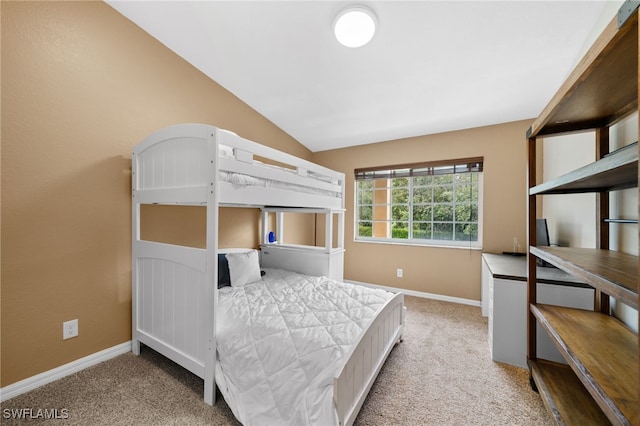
[(542, 239), (542, 233)]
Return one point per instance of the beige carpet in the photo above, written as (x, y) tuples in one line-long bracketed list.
[(441, 374)]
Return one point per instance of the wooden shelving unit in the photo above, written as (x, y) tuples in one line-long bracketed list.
[(600, 366), (616, 171), (561, 392), (601, 382), (613, 272)]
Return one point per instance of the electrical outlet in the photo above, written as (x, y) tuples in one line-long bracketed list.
[(399, 272), (69, 329)]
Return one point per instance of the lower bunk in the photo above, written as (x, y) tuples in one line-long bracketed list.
[(290, 348), (296, 349)]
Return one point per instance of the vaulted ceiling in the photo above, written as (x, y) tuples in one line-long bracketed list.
[(432, 66)]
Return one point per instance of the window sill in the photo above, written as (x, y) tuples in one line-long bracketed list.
[(412, 244)]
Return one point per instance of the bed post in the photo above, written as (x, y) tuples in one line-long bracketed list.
[(265, 227), (341, 228), (135, 224), (280, 226), (328, 230), (212, 266)]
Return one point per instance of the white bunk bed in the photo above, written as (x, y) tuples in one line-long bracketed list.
[(174, 291)]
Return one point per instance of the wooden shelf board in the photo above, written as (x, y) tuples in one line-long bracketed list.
[(619, 170), (615, 273), (564, 395), (594, 95), (603, 354)]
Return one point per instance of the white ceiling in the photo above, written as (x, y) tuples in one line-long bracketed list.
[(432, 66)]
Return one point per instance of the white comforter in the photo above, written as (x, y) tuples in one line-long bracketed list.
[(281, 340)]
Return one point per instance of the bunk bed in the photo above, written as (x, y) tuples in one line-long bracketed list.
[(174, 293)]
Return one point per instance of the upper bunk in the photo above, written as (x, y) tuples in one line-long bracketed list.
[(188, 164)]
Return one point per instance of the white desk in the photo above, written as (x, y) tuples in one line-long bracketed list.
[(504, 301)]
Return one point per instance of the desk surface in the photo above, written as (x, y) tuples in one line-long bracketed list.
[(515, 268)]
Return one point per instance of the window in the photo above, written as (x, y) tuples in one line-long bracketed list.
[(435, 203)]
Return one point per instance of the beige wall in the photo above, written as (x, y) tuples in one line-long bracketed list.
[(444, 271), (571, 219), (187, 226), (81, 85)]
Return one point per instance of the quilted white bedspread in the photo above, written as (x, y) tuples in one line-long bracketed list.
[(281, 341)]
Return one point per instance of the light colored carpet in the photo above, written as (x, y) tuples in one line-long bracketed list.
[(441, 374)]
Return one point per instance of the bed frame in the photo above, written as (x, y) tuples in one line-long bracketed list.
[(173, 296)]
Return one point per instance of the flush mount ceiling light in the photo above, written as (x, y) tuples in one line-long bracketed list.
[(355, 26)]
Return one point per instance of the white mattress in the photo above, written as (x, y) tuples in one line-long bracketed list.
[(282, 340), (244, 180)]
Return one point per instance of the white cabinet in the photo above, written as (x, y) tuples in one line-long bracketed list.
[(486, 281), (505, 286)]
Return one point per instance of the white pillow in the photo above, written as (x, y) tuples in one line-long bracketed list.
[(244, 268)]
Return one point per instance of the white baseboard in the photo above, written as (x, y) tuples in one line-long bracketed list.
[(42, 379), (421, 294)]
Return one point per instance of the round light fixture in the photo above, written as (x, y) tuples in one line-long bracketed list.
[(355, 26)]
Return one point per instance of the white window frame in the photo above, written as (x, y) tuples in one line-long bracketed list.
[(419, 241)]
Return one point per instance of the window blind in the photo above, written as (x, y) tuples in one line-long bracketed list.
[(431, 168)]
